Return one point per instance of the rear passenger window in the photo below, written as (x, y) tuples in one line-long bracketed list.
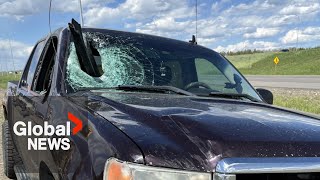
[(42, 77), (30, 69)]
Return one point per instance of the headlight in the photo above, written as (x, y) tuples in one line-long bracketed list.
[(118, 170)]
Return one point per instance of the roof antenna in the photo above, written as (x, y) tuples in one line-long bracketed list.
[(196, 19), (193, 40), (194, 37), (14, 68), (81, 16)]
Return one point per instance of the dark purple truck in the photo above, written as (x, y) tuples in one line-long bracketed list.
[(150, 108)]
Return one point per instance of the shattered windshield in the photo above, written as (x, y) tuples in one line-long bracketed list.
[(136, 59)]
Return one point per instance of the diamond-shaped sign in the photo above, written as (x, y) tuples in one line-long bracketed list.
[(276, 60)]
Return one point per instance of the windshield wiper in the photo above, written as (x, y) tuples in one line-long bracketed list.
[(233, 96), (162, 89), (158, 89)]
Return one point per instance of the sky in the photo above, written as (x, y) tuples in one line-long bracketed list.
[(223, 25)]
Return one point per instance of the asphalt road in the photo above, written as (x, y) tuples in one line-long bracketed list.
[(296, 82)]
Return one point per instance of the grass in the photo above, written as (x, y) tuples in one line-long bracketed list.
[(8, 77), (302, 62), (298, 103), (300, 99), (246, 61)]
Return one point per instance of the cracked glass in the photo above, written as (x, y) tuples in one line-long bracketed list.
[(137, 59)]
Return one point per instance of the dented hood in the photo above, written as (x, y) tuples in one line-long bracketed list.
[(195, 133)]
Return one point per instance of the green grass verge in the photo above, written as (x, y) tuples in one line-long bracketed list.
[(306, 104), (298, 103), (303, 62), (245, 61), (9, 77)]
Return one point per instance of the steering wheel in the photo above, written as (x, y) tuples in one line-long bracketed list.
[(197, 84)]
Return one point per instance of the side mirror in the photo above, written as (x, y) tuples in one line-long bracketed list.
[(23, 83), (266, 95)]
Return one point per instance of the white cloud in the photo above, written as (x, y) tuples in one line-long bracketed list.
[(251, 8), (305, 35), (21, 8), (139, 10), (103, 15), (206, 41), (73, 5), (257, 19), (290, 37), (167, 24), (259, 45), (215, 27), (312, 31), (301, 8), (20, 52), (221, 21), (217, 5), (250, 20), (170, 27), (262, 33)]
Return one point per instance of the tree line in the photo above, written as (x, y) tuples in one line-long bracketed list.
[(249, 51)]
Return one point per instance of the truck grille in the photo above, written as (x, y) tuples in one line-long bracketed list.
[(277, 168)]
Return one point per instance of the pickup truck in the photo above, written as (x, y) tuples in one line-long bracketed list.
[(105, 104)]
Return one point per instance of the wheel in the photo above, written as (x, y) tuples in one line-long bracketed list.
[(10, 155)]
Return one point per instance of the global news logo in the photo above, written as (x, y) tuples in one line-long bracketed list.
[(48, 136)]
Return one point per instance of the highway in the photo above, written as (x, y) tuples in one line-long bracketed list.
[(285, 81)]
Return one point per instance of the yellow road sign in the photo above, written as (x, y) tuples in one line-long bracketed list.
[(276, 60)]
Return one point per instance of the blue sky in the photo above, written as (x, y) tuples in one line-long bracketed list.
[(223, 25)]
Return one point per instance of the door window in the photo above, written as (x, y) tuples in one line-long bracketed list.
[(42, 77), (209, 74), (28, 74)]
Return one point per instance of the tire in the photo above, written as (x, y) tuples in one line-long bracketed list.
[(10, 155), (46, 176), (45, 173)]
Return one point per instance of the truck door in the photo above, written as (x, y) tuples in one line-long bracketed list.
[(33, 99)]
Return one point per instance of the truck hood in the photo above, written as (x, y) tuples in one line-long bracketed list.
[(195, 133)]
